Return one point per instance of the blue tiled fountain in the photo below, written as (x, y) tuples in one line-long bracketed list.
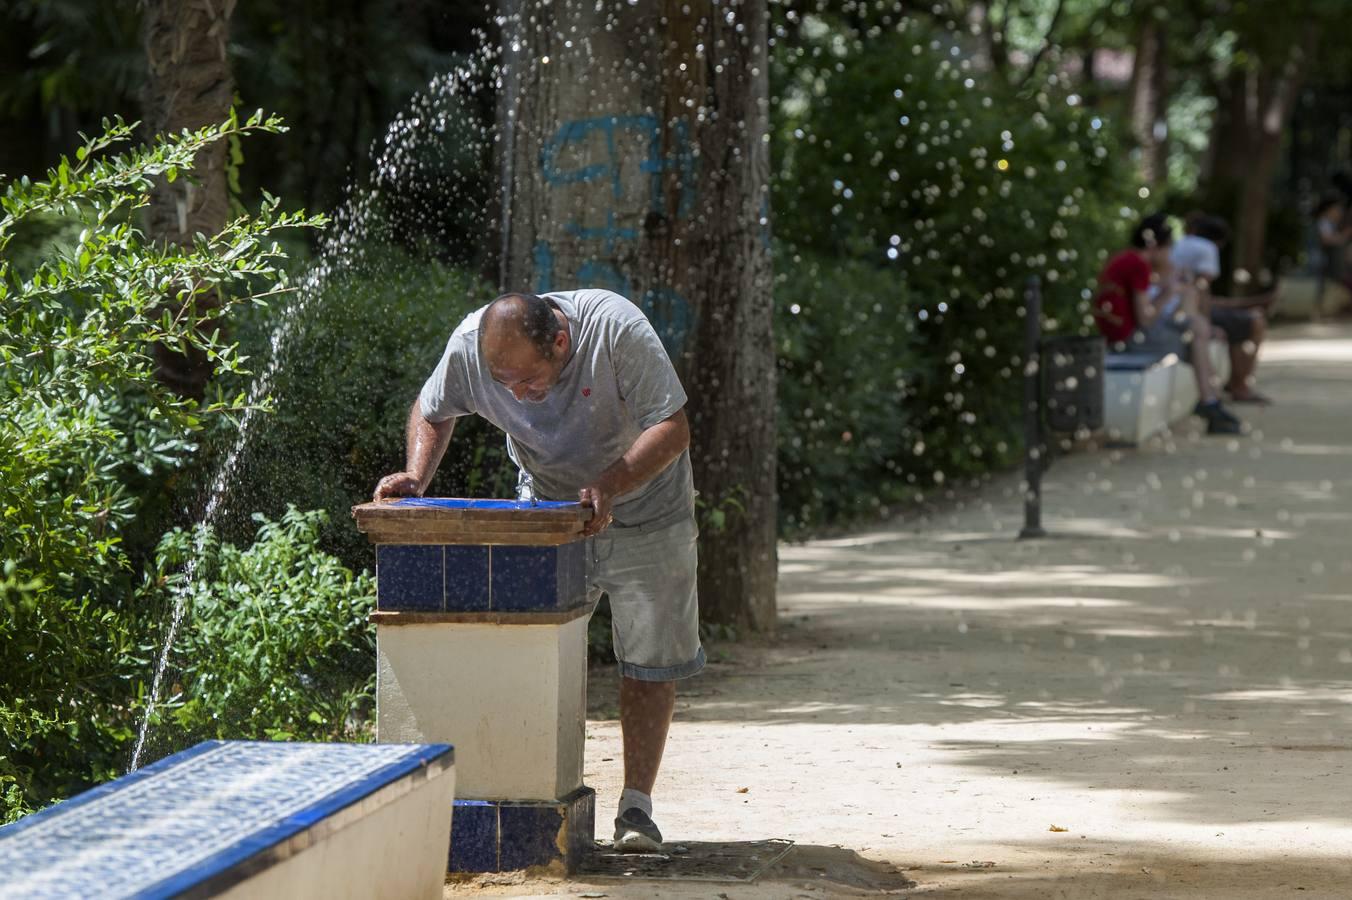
[(481, 624)]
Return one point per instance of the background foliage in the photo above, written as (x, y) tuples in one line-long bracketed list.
[(91, 443), (928, 161), (279, 646), (345, 362), (915, 196)]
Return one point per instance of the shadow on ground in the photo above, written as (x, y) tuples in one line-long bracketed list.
[(772, 862), (1130, 871)]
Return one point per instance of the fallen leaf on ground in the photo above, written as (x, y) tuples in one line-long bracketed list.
[(1058, 828)]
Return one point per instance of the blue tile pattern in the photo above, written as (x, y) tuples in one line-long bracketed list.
[(571, 582), (536, 579), (191, 818), (581, 824), (474, 837), (530, 835), (410, 578), (470, 577), (524, 578), (505, 835), (466, 568)]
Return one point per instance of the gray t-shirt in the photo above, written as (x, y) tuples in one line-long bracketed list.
[(618, 383)]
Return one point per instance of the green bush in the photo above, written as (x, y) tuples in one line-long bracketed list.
[(348, 358), (88, 438), (275, 643), (846, 350), (909, 174)]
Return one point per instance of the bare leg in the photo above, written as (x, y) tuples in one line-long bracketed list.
[(1201, 346), (1244, 358), (646, 708)]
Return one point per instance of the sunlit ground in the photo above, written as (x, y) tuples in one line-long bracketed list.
[(1168, 678)]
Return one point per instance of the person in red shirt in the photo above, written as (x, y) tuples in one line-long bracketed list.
[(1142, 308)]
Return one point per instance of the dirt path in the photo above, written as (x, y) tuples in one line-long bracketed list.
[(1168, 678)]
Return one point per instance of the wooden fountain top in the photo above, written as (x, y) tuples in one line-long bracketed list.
[(454, 520)]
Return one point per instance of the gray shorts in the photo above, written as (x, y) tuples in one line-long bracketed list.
[(649, 576), (1165, 335)]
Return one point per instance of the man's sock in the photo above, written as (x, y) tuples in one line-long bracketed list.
[(632, 799)]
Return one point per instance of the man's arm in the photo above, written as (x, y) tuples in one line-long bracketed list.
[(650, 454), (1146, 310), (427, 442)]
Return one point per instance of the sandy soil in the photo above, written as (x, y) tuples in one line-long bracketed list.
[(1168, 678)]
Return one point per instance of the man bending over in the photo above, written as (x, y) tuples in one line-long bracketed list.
[(593, 410)]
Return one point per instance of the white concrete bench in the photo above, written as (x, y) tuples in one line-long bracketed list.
[(1144, 394), (244, 819), (1137, 389)]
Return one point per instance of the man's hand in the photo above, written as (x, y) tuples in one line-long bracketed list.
[(599, 499), (400, 484)]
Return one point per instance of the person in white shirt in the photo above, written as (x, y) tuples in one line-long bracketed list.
[(1196, 259)]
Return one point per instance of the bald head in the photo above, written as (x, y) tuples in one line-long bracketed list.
[(525, 343), (514, 320)]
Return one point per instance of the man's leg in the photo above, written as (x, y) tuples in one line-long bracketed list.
[(1244, 357), (1197, 350), (646, 708), (651, 579), (1198, 335), (1200, 358)]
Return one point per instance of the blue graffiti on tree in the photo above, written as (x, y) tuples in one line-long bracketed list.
[(669, 312), (580, 133)]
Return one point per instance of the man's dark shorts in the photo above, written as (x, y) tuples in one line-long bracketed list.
[(1236, 323)]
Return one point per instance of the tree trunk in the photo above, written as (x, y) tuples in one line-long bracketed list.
[(1150, 100), (189, 85), (1227, 153), (1269, 97), (633, 141)]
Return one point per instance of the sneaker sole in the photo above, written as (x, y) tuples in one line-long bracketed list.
[(636, 842)]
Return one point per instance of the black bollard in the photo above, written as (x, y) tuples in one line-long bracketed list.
[(1032, 410)]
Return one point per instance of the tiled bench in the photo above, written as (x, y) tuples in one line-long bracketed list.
[(243, 819), (481, 641)]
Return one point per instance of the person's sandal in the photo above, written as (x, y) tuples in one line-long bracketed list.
[(1252, 397)]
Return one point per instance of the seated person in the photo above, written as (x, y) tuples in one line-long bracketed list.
[(1170, 321), (1196, 259)]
